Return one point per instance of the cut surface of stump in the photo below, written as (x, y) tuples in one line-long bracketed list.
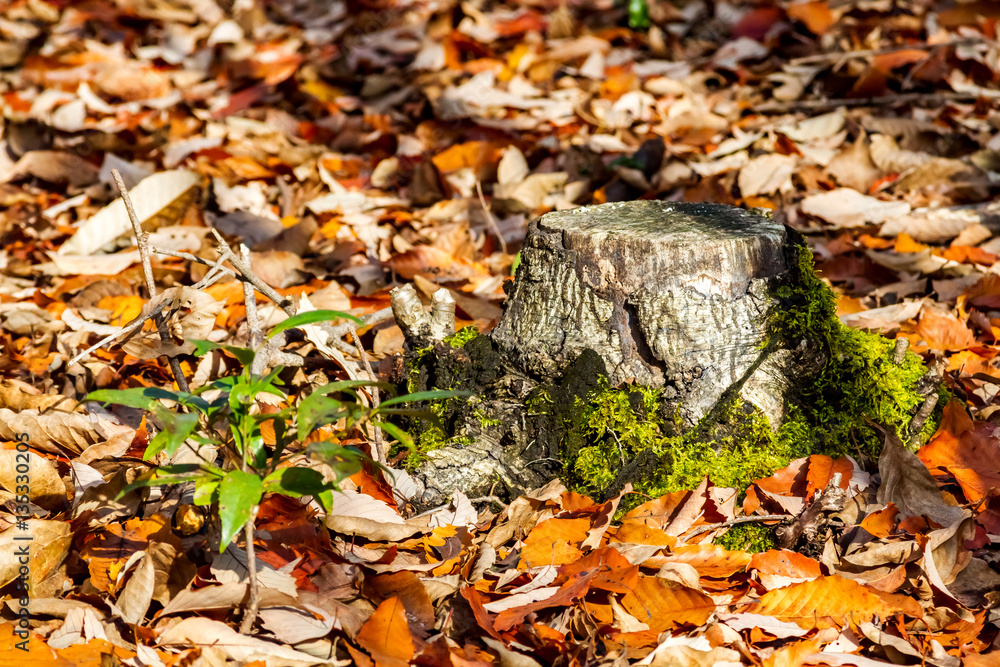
[(670, 295)]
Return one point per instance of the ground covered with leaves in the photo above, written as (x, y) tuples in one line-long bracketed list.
[(354, 147)]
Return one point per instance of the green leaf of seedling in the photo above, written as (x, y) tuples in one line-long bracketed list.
[(344, 461), (165, 475), (316, 410), (243, 355), (399, 434), (311, 317), (297, 482), (638, 14), (325, 499), (431, 395), (239, 493), (206, 492), (142, 398), (177, 427)]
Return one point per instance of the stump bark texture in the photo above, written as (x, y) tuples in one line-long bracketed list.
[(670, 295)]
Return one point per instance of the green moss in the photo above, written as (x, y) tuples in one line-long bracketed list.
[(462, 336), (750, 537), (859, 383)]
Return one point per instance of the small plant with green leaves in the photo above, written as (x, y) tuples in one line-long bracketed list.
[(222, 417)]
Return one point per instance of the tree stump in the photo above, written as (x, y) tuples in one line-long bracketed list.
[(653, 343), (669, 295)]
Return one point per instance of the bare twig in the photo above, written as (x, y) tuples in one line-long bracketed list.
[(283, 302), (865, 53), (919, 419), (737, 521), (142, 241), (899, 351), (210, 278), (194, 258), (257, 343), (489, 217), (368, 320), (880, 101), (255, 337), (253, 604), (379, 443)]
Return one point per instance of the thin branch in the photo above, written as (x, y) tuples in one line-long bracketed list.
[(255, 337), (739, 520), (283, 302), (368, 320), (865, 53), (142, 241), (210, 278), (194, 258), (489, 217), (253, 605)]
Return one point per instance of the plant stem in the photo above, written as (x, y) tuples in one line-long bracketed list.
[(142, 241)]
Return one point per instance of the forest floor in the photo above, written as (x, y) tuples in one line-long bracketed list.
[(354, 147)]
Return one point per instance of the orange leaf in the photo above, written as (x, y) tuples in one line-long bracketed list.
[(615, 572), (639, 533), (472, 154), (555, 542), (815, 15), (890, 61), (830, 602), (663, 604), (905, 243), (792, 655), (574, 501), (943, 331), (967, 449), (38, 653), (710, 560), (786, 563), (575, 587), (386, 635), (411, 592), (822, 469), (964, 254), (882, 522), (107, 554)]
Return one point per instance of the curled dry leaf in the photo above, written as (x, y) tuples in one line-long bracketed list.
[(59, 432), (908, 484), (190, 316), (159, 200), (46, 488), (46, 549), (845, 207)]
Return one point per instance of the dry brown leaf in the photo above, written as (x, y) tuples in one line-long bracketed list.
[(45, 487), (908, 484), (386, 635), (664, 605), (59, 432), (39, 547)]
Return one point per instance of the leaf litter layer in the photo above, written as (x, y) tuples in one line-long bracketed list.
[(354, 147)]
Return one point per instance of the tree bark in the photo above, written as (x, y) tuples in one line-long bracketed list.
[(670, 295)]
